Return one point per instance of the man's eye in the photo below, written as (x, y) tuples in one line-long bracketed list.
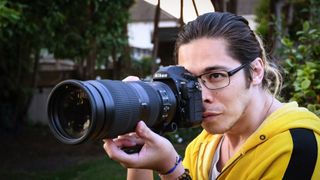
[(215, 76)]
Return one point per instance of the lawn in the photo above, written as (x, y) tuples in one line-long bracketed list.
[(98, 169), (34, 154)]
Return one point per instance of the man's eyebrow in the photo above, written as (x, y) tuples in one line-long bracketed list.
[(210, 68)]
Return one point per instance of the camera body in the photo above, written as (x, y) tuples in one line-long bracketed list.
[(188, 94), (96, 109)]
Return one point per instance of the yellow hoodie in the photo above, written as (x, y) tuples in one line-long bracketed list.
[(266, 153)]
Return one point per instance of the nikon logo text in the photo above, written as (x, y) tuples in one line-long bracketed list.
[(159, 75)]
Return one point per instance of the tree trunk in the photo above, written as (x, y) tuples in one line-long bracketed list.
[(278, 14), (181, 14), (127, 65), (80, 69), (218, 5), (34, 81), (195, 7), (155, 37), (91, 60), (232, 6), (115, 64), (92, 56)]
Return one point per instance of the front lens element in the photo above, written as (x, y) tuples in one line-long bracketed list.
[(74, 112)]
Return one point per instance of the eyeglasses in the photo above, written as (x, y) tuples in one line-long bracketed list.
[(217, 79)]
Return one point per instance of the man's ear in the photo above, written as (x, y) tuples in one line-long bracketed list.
[(257, 71)]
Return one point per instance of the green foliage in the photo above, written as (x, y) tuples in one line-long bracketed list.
[(270, 24), (300, 50), (77, 24), (7, 14), (142, 68), (16, 60), (262, 18), (183, 135), (302, 67)]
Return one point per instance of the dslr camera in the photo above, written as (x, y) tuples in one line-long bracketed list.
[(79, 111)]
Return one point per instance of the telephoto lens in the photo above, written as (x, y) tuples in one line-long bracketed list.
[(79, 111), (82, 110)]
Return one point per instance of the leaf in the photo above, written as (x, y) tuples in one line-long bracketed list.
[(302, 48), (305, 84), (288, 61), (312, 31), (287, 42), (300, 72), (306, 26), (299, 56), (311, 107), (299, 33)]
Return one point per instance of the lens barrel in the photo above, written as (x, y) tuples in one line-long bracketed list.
[(89, 110)]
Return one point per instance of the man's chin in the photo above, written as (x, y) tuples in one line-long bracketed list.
[(213, 128)]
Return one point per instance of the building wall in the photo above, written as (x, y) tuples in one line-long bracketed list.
[(140, 37), (37, 112)]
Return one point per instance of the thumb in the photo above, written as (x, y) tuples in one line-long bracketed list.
[(144, 132)]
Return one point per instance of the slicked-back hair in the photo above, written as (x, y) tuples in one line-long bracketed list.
[(242, 43)]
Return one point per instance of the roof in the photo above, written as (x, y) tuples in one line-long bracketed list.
[(142, 11)]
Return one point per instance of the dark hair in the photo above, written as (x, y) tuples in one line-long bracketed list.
[(242, 43)]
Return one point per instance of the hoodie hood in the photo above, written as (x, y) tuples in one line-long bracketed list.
[(289, 116), (200, 151)]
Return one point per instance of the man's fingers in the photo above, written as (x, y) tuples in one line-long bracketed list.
[(128, 140), (144, 132), (115, 153), (124, 142)]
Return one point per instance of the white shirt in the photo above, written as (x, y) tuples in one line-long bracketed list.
[(214, 173)]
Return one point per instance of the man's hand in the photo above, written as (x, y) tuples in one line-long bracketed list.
[(157, 152)]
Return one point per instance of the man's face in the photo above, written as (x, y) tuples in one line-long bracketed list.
[(223, 108)]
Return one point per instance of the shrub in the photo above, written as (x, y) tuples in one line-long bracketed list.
[(302, 67)]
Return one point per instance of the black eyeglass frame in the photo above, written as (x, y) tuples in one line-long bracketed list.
[(230, 73)]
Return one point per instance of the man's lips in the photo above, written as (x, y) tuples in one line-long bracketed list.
[(208, 114)]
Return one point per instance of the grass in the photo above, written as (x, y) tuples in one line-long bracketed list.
[(99, 169), (102, 168)]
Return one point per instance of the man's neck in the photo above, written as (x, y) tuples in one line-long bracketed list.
[(254, 114), (257, 110)]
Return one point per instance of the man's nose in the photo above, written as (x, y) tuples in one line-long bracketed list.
[(207, 94)]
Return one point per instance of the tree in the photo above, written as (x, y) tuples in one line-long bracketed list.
[(7, 14), (279, 18), (225, 5), (97, 28), (301, 54), (293, 27), (88, 32)]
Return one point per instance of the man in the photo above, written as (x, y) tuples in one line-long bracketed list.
[(248, 133)]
